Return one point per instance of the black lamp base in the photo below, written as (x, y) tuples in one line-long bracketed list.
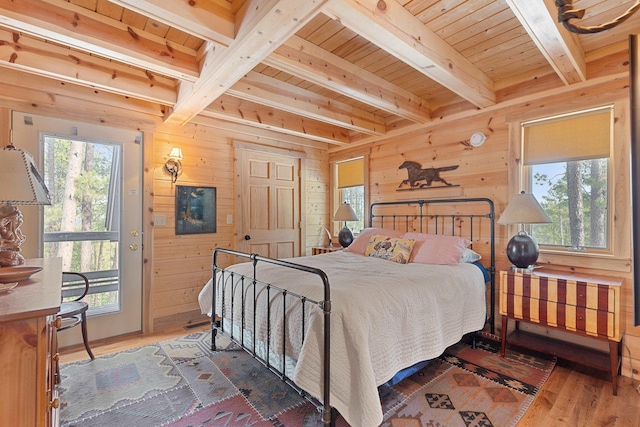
[(345, 237), (523, 251)]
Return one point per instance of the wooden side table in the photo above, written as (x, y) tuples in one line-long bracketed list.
[(317, 250), (582, 305)]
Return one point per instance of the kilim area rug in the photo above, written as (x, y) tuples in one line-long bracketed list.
[(181, 383)]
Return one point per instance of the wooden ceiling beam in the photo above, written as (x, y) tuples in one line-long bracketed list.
[(561, 48), (387, 24), (67, 24), (309, 62), (40, 90), (49, 60), (261, 26), (283, 96), (211, 20), (248, 113), (259, 134)]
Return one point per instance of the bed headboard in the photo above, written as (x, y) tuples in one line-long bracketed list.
[(471, 218)]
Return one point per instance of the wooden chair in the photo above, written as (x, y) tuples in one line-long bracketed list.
[(74, 312)]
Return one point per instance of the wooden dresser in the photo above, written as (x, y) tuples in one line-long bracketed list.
[(28, 396), (582, 305)]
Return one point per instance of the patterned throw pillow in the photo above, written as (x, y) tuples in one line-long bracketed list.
[(393, 249)]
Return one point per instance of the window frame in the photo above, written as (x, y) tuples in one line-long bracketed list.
[(334, 197), (617, 256), (528, 181)]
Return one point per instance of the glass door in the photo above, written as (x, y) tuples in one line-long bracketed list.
[(93, 176)]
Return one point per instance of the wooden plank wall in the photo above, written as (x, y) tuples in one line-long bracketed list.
[(485, 171), (182, 263), (177, 266)]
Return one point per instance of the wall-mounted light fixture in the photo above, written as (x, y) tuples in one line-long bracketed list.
[(477, 139), (174, 164)]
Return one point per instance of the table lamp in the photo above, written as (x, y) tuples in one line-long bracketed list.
[(522, 249), (20, 184), (345, 213)]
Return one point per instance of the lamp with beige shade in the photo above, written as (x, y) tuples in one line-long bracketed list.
[(20, 184)]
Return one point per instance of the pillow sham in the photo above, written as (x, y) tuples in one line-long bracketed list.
[(390, 248), (436, 248), (360, 243), (469, 255)]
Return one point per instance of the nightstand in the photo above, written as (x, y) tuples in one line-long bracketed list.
[(317, 250), (588, 306)]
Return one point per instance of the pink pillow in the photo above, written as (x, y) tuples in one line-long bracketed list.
[(360, 243), (436, 248)]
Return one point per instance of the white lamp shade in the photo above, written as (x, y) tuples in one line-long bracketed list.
[(523, 209), (176, 153), (345, 213), (20, 181)]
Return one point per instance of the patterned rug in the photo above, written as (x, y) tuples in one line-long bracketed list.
[(181, 383)]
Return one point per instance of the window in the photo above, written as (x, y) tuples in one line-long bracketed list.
[(350, 186), (566, 166), (82, 224)]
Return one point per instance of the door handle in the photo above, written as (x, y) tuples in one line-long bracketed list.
[(247, 237), (133, 247)]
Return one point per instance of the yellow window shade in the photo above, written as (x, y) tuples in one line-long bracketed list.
[(580, 137), (351, 173)]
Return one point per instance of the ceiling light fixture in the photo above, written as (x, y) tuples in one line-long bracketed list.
[(567, 12)]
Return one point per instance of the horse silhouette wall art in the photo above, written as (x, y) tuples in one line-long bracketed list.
[(428, 175)]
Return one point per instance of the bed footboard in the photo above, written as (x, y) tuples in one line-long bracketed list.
[(227, 281)]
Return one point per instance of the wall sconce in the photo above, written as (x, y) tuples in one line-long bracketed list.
[(477, 139), (174, 165)]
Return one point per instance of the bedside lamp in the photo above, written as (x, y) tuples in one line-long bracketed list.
[(20, 184), (522, 249), (345, 213)]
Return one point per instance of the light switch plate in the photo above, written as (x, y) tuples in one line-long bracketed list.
[(160, 220), (229, 219)]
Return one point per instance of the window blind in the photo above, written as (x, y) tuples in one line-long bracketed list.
[(351, 173), (579, 137)]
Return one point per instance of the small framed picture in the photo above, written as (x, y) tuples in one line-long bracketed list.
[(195, 209)]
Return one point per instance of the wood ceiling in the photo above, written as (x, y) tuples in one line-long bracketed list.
[(337, 72)]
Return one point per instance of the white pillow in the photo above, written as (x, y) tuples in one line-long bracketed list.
[(469, 255)]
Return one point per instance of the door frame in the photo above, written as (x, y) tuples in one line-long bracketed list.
[(241, 177), (35, 214)]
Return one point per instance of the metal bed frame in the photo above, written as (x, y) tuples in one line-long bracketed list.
[(421, 220)]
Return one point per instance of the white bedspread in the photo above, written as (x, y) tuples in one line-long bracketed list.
[(385, 317)]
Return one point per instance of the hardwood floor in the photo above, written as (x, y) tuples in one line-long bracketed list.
[(573, 396)]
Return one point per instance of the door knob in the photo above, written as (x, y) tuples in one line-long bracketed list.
[(133, 247), (247, 237)]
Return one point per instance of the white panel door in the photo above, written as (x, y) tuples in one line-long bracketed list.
[(270, 203)]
